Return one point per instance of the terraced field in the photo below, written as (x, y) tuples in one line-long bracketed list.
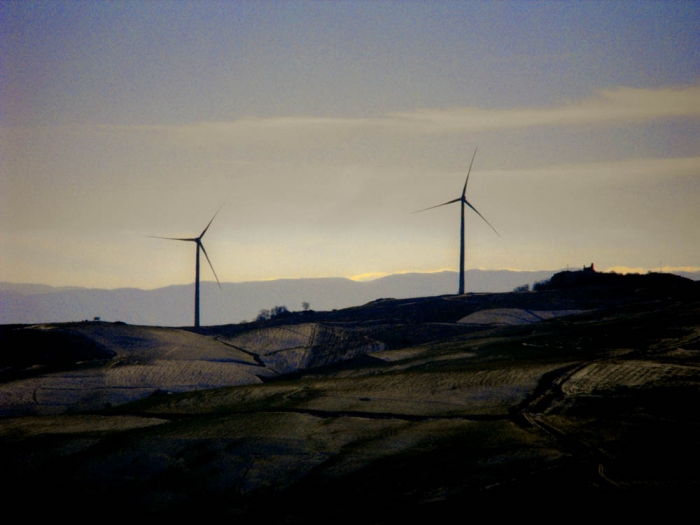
[(600, 377)]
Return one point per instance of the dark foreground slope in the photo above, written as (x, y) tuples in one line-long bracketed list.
[(593, 414)]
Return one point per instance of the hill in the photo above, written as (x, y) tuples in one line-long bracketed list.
[(580, 399), (234, 302), (591, 278)]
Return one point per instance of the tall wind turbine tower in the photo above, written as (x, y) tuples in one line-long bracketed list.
[(463, 200), (200, 246)]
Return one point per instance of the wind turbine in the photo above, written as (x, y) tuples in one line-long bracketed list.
[(198, 242), (463, 200)]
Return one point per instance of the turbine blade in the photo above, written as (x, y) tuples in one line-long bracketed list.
[(172, 238), (210, 265), (443, 204), (464, 191), (212, 220), (479, 214)]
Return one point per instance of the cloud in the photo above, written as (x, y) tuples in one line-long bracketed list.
[(371, 276), (607, 106), (612, 106), (614, 170)]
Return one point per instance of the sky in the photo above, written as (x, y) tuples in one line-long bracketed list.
[(320, 127)]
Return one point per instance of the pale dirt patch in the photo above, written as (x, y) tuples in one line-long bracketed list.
[(514, 316), (184, 375), (405, 354), (145, 342), (610, 375), (290, 348), (266, 340), (95, 389)]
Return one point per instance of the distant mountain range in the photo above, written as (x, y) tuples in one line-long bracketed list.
[(236, 302)]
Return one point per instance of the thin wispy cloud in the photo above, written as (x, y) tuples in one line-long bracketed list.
[(607, 106), (613, 170), (612, 106), (371, 276)]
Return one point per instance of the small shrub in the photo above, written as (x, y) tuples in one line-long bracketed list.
[(278, 311), (263, 315), (272, 313), (541, 285)]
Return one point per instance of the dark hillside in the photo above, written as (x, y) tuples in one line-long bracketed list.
[(27, 350), (588, 278)]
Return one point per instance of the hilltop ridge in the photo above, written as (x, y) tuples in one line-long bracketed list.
[(590, 277)]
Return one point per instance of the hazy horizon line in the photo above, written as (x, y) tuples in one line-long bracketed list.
[(373, 276)]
